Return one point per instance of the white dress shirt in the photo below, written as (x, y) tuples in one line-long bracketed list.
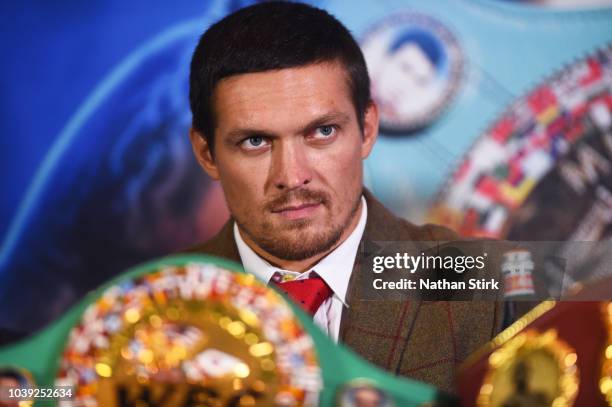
[(335, 269)]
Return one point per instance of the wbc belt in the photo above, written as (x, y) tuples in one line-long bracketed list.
[(195, 330), (558, 354)]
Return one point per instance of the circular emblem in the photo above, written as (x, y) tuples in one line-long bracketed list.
[(531, 369), (362, 392), (415, 65), (194, 334)]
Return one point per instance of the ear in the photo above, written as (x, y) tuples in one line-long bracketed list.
[(201, 149), (370, 129)]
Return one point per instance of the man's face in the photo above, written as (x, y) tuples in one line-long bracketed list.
[(288, 152), (411, 68)]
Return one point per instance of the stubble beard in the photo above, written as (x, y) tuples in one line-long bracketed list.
[(294, 242)]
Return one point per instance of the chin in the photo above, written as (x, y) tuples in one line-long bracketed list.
[(300, 224), (300, 244)]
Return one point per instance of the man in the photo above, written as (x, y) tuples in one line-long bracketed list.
[(412, 60), (282, 117)]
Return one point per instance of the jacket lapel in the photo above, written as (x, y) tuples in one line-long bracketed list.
[(379, 329), (222, 244)]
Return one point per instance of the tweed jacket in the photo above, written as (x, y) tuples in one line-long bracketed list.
[(422, 340)]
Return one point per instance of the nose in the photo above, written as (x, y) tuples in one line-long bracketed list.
[(290, 167)]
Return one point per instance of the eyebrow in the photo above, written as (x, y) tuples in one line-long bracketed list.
[(236, 135)]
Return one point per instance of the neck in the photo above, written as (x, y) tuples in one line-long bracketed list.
[(301, 266)]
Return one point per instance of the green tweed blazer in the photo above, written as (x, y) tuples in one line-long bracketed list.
[(422, 340)]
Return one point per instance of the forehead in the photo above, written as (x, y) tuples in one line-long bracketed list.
[(284, 99)]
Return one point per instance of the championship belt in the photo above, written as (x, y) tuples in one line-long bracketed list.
[(558, 354), (193, 330)]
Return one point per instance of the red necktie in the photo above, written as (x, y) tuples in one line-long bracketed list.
[(309, 293)]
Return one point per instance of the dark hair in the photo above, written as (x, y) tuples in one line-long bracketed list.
[(270, 36)]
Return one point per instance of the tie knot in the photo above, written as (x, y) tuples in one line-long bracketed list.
[(309, 293)]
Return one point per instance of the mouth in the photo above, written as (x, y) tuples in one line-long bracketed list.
[(300, 211)]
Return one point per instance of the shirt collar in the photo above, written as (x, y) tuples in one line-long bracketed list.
[(334, 268)]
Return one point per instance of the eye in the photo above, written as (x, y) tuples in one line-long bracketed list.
[(253, 143), (325, 132)]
